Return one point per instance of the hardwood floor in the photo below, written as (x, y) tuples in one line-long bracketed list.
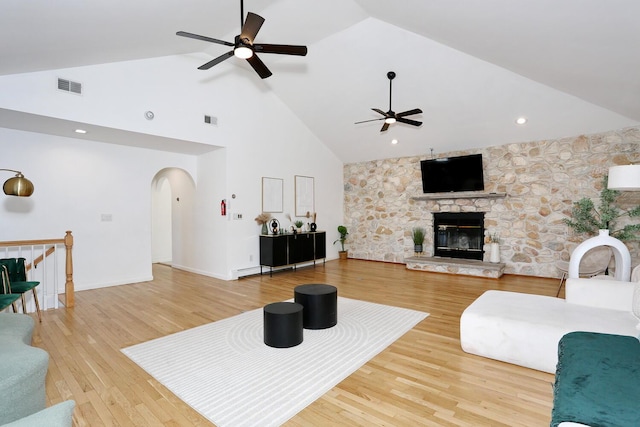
[(424, 378)]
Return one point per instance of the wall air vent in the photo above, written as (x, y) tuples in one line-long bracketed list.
[(211, 120), (69, 86)]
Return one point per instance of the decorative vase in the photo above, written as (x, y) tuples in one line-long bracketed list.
[(417, 248), (494, 256), (619, 249), (265, 230)]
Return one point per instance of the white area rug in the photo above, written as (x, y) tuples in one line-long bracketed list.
[(225, 371)]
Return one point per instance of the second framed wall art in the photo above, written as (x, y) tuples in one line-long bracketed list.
[(304, 195)]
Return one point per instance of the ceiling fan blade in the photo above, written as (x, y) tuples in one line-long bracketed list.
[(385, 126), (259, 66), (215, 61), (409, 121), (379, 111), (251, 27), (366, 121), (282, 49), (203, 38), (409, 113)]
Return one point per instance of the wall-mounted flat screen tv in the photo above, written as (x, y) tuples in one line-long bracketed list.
[(463, 173)]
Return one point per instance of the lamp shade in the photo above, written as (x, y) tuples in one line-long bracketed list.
[(18, 186), (624, 178)]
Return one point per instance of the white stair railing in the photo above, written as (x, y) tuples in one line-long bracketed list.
[(45, 264)]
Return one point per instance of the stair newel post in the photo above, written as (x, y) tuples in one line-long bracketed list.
[(69, 286)]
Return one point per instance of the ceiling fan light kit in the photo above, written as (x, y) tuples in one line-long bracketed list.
[(391, 117), (243, 52), (245, 48)]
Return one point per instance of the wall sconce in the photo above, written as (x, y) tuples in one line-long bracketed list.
[(624, 178), (18, 185)]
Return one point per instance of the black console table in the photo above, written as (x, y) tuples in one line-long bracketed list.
[(279, 250)]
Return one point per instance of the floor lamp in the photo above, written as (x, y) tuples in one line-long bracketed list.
[(17, 185)]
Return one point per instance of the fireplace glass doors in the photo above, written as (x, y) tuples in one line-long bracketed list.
[(459, 235)]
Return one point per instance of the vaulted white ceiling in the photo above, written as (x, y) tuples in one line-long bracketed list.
[(472, 66)]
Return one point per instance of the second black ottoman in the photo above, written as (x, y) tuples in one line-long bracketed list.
[(282, 323), (320, 304)]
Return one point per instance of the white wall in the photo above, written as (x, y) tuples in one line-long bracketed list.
[(260, 136), (212, 234), (161, 220), (116, 95), (76, 183)]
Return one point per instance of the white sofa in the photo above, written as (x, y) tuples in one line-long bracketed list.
[(525, 329)]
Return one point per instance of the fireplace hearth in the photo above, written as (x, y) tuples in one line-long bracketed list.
[(458, 235)]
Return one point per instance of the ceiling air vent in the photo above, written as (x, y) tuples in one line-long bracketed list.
[(211, 120), (69, 86)]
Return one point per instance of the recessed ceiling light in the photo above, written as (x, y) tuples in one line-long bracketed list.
[(394, 141), (81, 131), (521, 120)]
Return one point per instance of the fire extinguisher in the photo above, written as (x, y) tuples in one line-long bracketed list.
[(223, 207)]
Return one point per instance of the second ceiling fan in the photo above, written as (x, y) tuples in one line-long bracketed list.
[(391, 116), (245, 48)]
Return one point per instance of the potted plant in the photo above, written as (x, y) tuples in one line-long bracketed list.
[(417, 235), (262, 220), (298, 225), (586, 218), (343, 236)]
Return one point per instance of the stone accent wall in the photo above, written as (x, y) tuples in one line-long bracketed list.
[(541, 179)]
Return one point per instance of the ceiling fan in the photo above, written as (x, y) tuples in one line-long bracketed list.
[(391, 116), (245, 48)]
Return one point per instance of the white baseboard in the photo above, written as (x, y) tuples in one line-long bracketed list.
[(88, 286), (201, 272)]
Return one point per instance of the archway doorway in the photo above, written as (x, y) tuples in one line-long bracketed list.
[(172, 197)]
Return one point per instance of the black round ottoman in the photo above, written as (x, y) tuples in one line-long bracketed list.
[(282, 322), (320, 304)]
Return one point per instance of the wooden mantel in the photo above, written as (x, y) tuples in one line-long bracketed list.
[(460, 195)]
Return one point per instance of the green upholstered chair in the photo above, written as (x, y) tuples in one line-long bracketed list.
[(6, 299), (18, 283)]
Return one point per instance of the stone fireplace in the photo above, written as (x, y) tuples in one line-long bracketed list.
[(458, 235), (458, 247)]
